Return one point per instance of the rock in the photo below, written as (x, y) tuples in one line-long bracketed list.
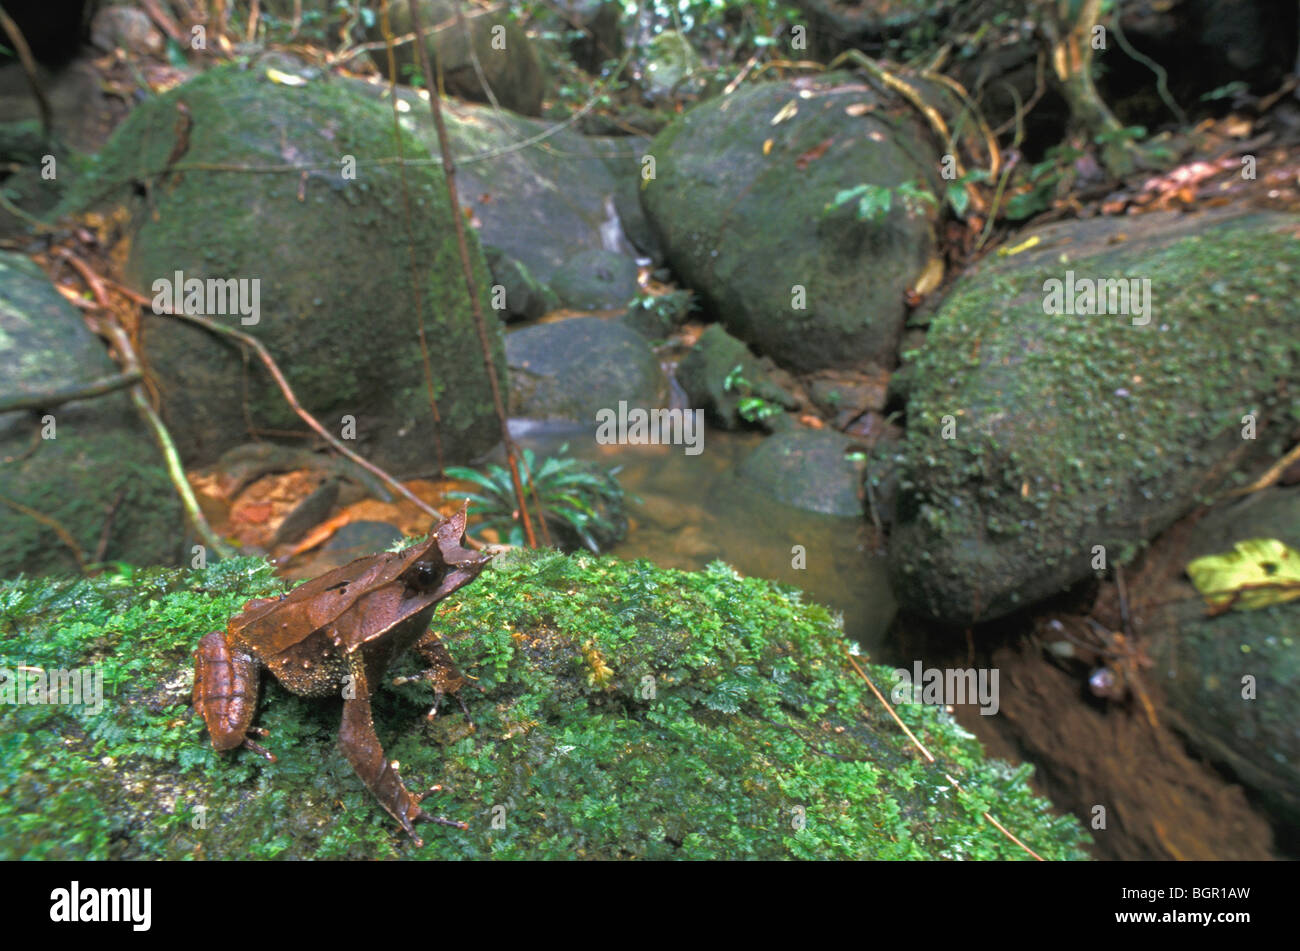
[(540, 205), (506, 56), (99, 471), (126, 28), (807, 469), (715, 712), (656, 316), (331, 257), (307, 514), (570, 369), (1202, 662), (599, 27), (704, 373), (1070, 432), (671, 67), (596, 280), (525, 297), (834, 26), (809, 288)]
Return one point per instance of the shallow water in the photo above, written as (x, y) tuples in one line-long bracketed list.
[(692, 511)]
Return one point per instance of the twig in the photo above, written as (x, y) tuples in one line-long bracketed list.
[(1269, 478), (453, 201), (29, 67), (66, 394), (930, 756), (53, 524)]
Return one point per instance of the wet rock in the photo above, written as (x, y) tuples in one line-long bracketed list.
[(570, 369), (98, 475), (808, 469), (126, 28), (525, 297), (1067, 431), (717, 358), (808, 287)]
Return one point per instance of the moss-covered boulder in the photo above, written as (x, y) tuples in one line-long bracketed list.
[(1034, 437), (495, 38), (88, 466), (1232, 681), (812, 469), (739, 200), (294, 187), (570, 369), (536, 191), (625, 712), (719, 374)]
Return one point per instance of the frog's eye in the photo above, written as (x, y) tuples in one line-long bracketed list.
[(427, 576)]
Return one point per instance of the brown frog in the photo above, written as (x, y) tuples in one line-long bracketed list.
[(335, 636)]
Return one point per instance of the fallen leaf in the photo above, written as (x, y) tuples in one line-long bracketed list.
[(767, 147), (813, 154), (860, 108), (788, 111), (1256, 574)]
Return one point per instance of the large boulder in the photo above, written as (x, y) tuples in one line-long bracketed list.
[(494, 38), (319, 221), (537, 191), (89, 466), (719, 373), (1034, 437), (570, 369), (738, 198), (1202, 661), (621, 711)]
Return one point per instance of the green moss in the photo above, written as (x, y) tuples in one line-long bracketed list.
[(625, 711), (1075, 431)]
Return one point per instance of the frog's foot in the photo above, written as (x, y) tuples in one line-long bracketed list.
[(257, 747), (437, 680)]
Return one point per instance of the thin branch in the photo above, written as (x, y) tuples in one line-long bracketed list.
[(29, 67), (453, 201), (53, 524)]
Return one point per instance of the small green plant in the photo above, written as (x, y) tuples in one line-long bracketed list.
[(875, 201), (582, 504), (751, 408)]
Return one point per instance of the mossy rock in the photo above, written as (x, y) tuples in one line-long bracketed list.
[(625, 711), (808, 469), (1071, 431), (333, 255), (1202, 661), (571, 369), (88, 465), (537, 191), (596, 280), (740, 207), (506, 56), (523, 296), (705, 371)]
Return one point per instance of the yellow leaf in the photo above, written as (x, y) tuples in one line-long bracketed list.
[(1022, 246), (1255, 574), (788, 111), (767, 147), (284, 79)]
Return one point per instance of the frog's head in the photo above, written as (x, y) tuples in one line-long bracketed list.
[(447, 565)]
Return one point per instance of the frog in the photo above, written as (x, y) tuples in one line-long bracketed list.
[(335, 636)]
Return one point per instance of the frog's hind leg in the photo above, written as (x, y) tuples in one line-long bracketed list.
[(225, 693), (360, 744)]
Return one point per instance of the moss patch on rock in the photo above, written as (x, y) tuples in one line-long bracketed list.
[(1067, 431), (625, 711), (265, 190)]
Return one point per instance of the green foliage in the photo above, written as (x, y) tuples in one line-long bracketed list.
[(580, 502), (623, 711), (875, 201), (751, 408)]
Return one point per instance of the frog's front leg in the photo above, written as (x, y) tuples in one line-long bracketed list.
[(442, 673), (360, 744), (225, 693)]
